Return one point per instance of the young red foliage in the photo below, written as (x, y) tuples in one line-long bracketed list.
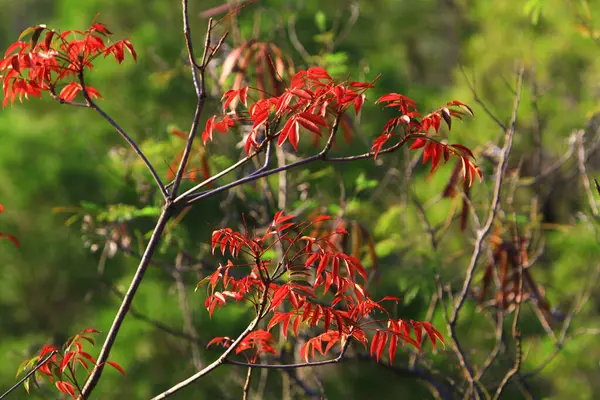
[(32, 67), (345, 310), (61, 367), (312, 98), (419, 132)]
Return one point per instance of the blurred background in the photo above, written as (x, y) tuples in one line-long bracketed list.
[(82, 206)]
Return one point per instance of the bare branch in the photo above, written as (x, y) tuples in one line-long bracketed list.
[(221, 360), (199, 85), (126, 304), (483, 232), (125, 136)]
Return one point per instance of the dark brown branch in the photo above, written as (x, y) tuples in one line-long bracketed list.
[(297, 365), (320, 156)]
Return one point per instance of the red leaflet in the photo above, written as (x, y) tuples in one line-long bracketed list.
[(279, 295), (66, 388), (358, 103), (232, 95), (65, 361), (13, 239), (405, 104), (116, 366), (419, 132), (61, 366), (345, 311), (379, 142), (70, 91), (208, 130)]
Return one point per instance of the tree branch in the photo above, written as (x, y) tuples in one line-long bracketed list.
[(221, 360), (126, 303), (199, 85), (38, 366), (125, 136)]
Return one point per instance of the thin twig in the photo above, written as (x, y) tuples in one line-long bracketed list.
[(247, 384), (221, 360), (320, 156), (199, 85), (582, 171), (125, 136), (484, 231), (481, 103), (38, 366)]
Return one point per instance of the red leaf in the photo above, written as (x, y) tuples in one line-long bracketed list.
[(461, 105), (116, 366), (93, 93), (322, 265), (65, 361), (375, 342), (304, 351), (208, 130), (463, 148), (321, 218), (309, 125), (381, 345), (418, 143), (279, 296), (389, 298), (69, 92), (313, 257), (66, 388), (130, 48), (301, 93), (392, 349), (379, 142), (358, 103), (47, 349), (11, 238), (86, 355)]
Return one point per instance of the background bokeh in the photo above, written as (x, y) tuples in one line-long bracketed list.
[(59, 163)]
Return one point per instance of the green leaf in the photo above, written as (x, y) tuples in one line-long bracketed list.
[(363, 183), (203, 282), (35, 32), (321, 21), (533, 9)]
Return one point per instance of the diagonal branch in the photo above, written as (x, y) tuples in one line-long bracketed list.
[(126, 304), (125, 136), (38, 366), (222, 359)]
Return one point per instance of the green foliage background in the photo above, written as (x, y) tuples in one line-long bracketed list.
[(53, 156)]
